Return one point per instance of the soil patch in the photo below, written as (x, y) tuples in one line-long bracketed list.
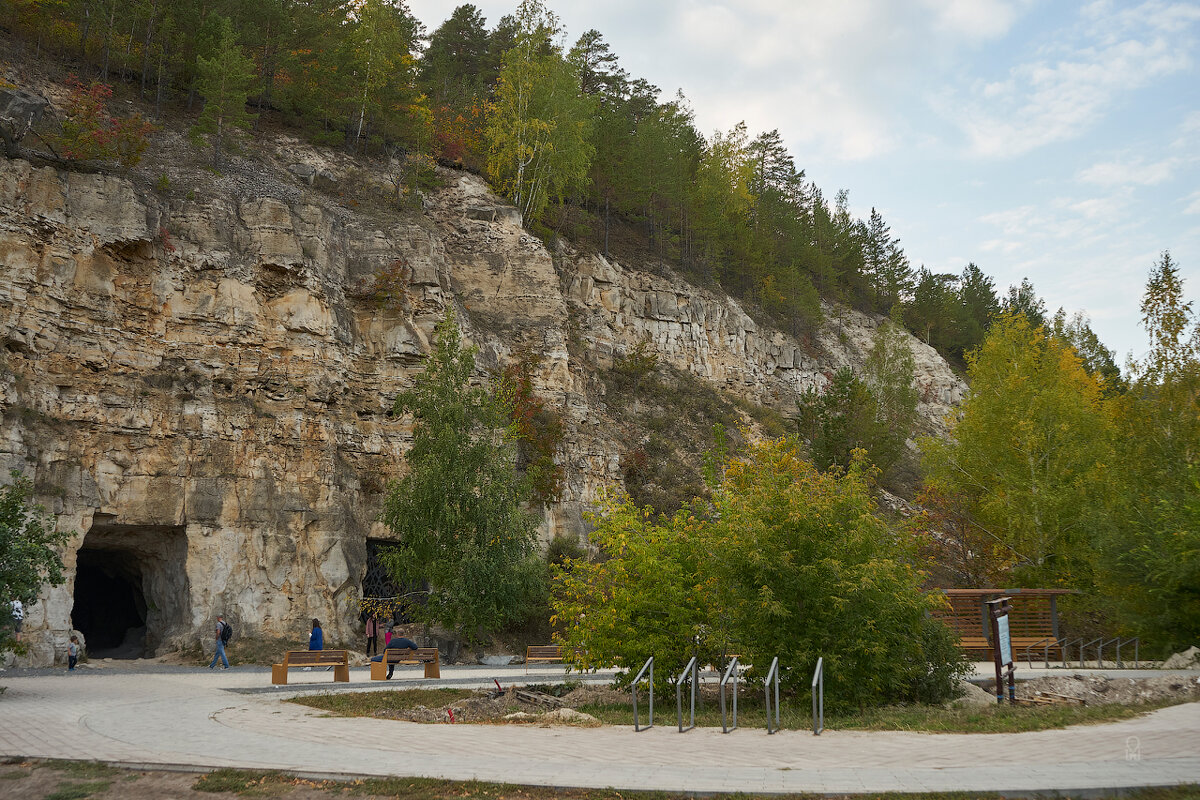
[(1094, 690)]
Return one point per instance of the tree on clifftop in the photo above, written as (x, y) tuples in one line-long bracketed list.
[(458, 514), (226, 79), (539, 127)]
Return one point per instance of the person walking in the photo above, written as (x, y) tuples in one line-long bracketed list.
[(398, 643), (372, 635), (221, 637), (18, 618), (316, 639), (72, 653)]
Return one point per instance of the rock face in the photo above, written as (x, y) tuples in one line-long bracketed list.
[(199, 390)]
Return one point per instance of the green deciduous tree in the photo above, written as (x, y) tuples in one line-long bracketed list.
[(459, 514), (1151, 554), (539, 127), (29, 555), (1027, 458), (377, 55), (811, 571)]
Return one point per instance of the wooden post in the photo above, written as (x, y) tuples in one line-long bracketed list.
[(1002, 648)]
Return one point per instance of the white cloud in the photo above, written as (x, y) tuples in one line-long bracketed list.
[(1137, 171), (1071, 86), (977, 19), (1193, 201)]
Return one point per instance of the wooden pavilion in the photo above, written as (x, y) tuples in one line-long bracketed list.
[(1032, 619)]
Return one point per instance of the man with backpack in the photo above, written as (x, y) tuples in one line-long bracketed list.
[(224, 634)]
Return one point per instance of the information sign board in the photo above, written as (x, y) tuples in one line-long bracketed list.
[(1004, 641)]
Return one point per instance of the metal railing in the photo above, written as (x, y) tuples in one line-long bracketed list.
[(649, 665), (688, 674), (773, 676), (818, 690), (731, 670)]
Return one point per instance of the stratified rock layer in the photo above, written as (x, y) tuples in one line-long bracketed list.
[(199, 391)]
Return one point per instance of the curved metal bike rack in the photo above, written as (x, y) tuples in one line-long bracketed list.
[(818, 693), (732, 669), (773, 676), (1136, 643), (649, 665), (689, 673)]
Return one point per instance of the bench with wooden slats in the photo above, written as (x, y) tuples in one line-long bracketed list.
[(407, 656), (293, 659), (542, 654), (977, 646)]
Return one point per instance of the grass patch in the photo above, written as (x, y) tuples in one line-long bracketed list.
[(78, 791), (247, 784), (988, 719), (922, 719), (365, 704), (83, 769)]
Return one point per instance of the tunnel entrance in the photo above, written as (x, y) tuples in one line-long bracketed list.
[(130, 588)]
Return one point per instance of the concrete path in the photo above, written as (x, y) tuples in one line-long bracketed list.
[(176, 716)]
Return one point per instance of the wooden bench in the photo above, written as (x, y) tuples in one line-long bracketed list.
[(407, 656), (338, 659), (978, 646), (542, 654)]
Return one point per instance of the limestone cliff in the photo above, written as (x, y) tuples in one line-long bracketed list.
[(197, 389)]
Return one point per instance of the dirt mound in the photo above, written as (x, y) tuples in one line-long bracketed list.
[(1096, 690), (569, 716), (589, 695)]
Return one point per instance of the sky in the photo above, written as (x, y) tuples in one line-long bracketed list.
[(1043, 139)]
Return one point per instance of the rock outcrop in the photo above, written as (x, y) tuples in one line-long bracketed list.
[(198, 389)]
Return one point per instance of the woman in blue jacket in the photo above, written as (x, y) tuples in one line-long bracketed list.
[(316, 639)]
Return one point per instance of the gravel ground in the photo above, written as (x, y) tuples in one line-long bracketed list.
[(1094, 690)]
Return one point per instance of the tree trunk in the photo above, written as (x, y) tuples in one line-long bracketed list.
[(84, 28), (606, 227), (146, 46)]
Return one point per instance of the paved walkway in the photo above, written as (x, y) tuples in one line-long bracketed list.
[(173, 716)]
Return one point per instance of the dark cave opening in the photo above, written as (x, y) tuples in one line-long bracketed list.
[(131, 589), (110, 609)]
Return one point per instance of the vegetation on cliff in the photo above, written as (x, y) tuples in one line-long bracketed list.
[(29, 553)]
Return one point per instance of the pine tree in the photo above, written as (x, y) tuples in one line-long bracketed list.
[(225, 80), (453, 68)]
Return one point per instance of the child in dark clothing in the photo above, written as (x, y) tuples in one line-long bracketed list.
[(72, 653)]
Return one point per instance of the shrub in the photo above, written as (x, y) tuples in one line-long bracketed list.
[(387, 288), (787, 561), (91, 133)]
